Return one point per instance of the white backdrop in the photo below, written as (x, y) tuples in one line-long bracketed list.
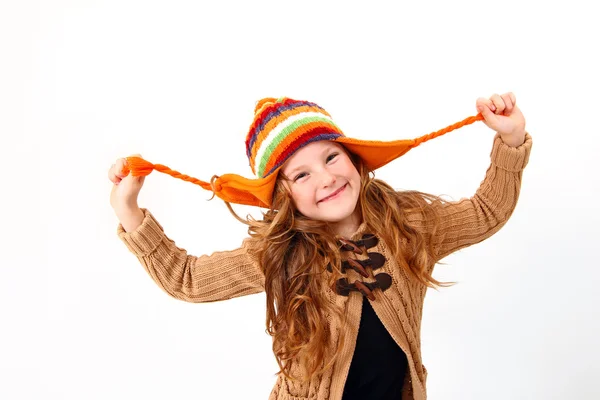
[(83, 83)]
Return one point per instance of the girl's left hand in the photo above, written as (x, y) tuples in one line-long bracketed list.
[(501, 114)]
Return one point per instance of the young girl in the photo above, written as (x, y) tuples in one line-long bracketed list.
[(343, 258)]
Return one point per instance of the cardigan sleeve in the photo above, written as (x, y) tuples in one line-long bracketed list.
[(219, 276), (472, 220)]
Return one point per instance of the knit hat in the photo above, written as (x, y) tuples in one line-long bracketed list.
[(280, 128)]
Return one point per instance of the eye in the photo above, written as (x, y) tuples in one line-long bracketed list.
[(300, 175), (332, 156)]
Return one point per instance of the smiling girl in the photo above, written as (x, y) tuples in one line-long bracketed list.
[(343, 258)]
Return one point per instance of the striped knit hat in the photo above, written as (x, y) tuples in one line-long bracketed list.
[(280, 128)]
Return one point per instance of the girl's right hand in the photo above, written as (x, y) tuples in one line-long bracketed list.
[(126, 188)]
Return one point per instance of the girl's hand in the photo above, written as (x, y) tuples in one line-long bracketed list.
[(125, 190), (501, 114)]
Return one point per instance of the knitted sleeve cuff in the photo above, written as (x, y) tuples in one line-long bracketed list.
[(146, 238), (512, 159)]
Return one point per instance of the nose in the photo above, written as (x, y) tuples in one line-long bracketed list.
[(327, 179)]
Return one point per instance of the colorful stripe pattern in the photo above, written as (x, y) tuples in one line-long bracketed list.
[(283, 126)]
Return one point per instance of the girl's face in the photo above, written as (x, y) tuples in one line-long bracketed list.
[(323, 182)]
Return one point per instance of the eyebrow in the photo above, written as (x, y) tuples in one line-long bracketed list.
[(327, 150)]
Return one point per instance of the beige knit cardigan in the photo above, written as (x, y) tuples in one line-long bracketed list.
[(228, 274)]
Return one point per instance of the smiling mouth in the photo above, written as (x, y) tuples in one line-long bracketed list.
[(333, 194)]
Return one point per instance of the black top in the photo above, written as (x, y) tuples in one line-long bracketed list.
[(378, 365)]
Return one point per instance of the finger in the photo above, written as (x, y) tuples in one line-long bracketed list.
[(121, 163), (487, 113), (490, 105), (482, 101), (112, 176), (508, 103), (498, 103)]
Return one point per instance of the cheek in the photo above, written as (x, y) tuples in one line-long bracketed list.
[(350, 170), (303, 197), (356, 174)]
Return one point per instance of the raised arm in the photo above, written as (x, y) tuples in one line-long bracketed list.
[(219, 276), (472, 220)]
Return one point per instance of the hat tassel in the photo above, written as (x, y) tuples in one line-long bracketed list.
[(466, 121), (140, 167)]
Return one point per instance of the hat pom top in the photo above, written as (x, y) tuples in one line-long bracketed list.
[(262, 103)]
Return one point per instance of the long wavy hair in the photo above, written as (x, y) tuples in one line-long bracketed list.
[(294, 252)]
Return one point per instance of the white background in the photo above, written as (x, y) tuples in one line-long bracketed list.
[(83, 83)]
